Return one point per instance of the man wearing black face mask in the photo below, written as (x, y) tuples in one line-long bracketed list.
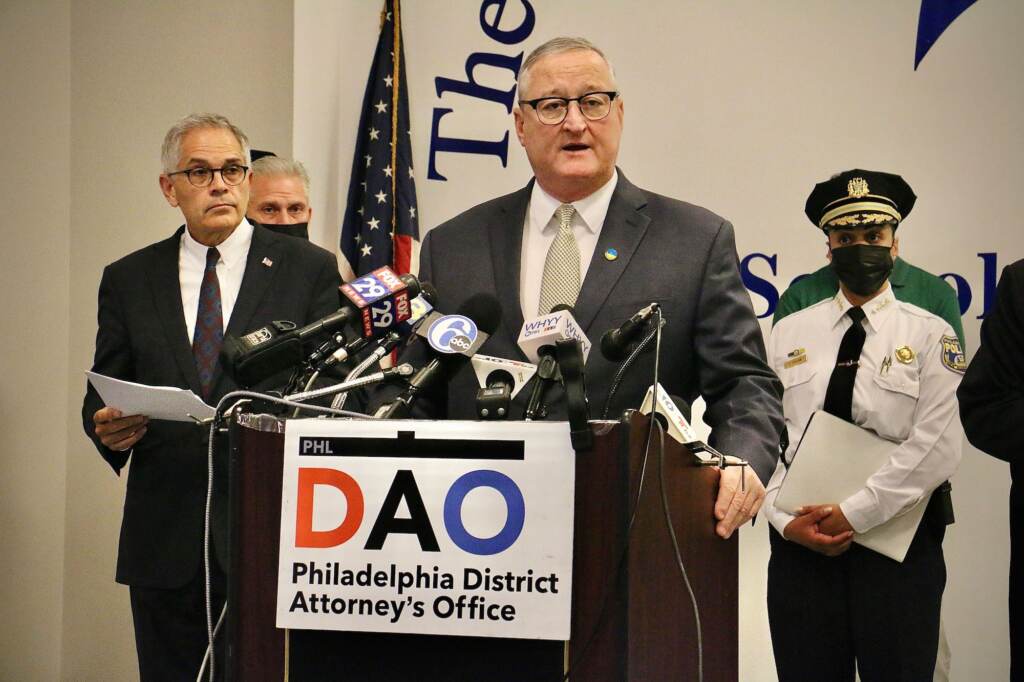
[(279, 199), (892, 368)]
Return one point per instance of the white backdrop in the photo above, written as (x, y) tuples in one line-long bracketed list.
[(739, 106)]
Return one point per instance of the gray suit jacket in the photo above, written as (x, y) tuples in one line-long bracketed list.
[(680, 255)]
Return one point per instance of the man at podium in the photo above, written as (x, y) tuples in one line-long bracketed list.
[(581, 234)]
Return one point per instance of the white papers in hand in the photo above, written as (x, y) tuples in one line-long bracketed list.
[(834, 460), (156, 402)]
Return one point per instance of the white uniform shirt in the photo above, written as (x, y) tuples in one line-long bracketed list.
[(905, 391), (230, 268), (541, 228)]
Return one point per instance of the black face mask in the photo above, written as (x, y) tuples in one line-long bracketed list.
[(863, 268), (294, 229)]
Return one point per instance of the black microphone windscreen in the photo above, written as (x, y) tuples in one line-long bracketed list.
[(484, 309), (412, 285), (683, 406), (564, 306), (429, 293)]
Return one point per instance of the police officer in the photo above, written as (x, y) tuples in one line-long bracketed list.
[(892, 368)]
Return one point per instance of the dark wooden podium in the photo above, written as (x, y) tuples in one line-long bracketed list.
[(632, 618)]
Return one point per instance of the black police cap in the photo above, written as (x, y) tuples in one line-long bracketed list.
[(860, 198)]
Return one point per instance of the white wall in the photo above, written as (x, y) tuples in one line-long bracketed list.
[(34, 271), (136, 69), (90, 88), (741, 107)]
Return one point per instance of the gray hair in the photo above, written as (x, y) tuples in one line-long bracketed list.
[(558, 46), (276, 166), (170, 152)]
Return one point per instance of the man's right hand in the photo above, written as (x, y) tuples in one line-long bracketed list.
[(804, 530), (118, 432)]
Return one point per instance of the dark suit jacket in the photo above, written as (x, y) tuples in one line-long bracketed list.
[(680, 255), (142, 337), (991, 399), (991, 394)]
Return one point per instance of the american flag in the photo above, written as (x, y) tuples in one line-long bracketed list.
[(380, 225)]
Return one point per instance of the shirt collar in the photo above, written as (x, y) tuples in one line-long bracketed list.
[(876, 311), (592, 209), (233, 250)]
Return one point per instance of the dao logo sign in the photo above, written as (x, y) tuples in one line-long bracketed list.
[(438, 528), (452, 334), (404, 490)]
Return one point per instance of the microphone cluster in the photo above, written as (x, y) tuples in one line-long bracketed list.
[(382, 310)]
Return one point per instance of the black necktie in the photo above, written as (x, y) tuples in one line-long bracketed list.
[(839, 396), (209, 334)]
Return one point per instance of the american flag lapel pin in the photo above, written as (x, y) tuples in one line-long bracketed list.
[(267, 261)]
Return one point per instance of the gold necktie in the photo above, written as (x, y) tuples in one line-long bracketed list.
[(561, 281)]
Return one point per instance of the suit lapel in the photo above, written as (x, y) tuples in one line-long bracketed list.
[(506, 236), (624, 228), (166, 291), (264, 260), (262, 264)]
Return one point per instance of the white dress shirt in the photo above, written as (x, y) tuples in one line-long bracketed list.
[(905, 391), (230, 268), (541, 228)]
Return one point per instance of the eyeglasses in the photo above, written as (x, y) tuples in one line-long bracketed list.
[(232, 174), (552, 110)]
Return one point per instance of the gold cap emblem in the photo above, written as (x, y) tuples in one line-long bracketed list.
[(905, 354), (857, 188)]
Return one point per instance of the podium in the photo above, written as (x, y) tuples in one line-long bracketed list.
[(632, 616)]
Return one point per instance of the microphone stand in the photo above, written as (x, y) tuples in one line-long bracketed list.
[(403, 371), (570, 362), (547, 374)]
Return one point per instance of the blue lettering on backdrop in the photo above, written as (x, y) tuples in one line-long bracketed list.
[(764, 288), (513, 35), (471, 88), (758, 286), (991, 279)]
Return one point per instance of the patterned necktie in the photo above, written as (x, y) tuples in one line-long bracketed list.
[(839, 395), (209, 334), (561, 281)]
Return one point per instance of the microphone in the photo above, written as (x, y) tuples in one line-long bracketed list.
[(455, 339), (419, 307), (500, 381), (674, 414), (379, 301), (615, 342), (539, 339), (545, 330)]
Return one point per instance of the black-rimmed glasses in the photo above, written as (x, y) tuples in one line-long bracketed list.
[(232, 174), (552, 110)]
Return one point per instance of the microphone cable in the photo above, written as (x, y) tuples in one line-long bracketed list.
[(678, 555), (655, 334), (624, 552), (357, 371), (215, 422), (628, 362)]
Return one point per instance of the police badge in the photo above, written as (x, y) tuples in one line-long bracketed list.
[(953, 355)]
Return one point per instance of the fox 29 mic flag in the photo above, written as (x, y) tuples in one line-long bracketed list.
[(380, 224)]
